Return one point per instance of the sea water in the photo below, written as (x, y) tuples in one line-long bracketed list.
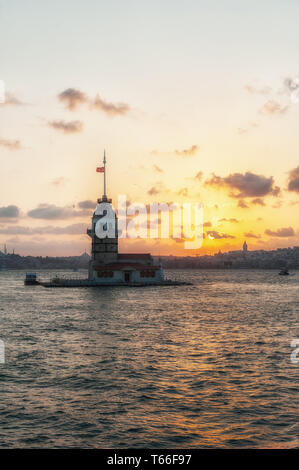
[(206, 365)]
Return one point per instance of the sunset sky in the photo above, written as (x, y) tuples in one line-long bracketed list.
[(193, 101)]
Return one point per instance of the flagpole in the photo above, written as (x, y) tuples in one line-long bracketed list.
[(104, 161)]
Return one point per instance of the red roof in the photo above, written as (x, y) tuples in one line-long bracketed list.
[(135, 256)]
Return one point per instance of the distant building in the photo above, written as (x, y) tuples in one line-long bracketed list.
[(245, 247)]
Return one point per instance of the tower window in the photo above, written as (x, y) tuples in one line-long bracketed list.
[(105, 273)]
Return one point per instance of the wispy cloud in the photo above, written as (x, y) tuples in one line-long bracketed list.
[(50, 211), (72, 98), (213, 234), (291, 84), (73, 229), (258, 202), (153, 191), (183, 192), (257, 90), (198, 176), (251, 235), (157, 189), (281, 232), (87, 204), (9, 212), (277, 205), (112, 109), (11, 99), (245, 185), (189, 152), (272, 107), (231, 220), (70, 127), (158, 169), (242, 204), (293, 180), (11, 144)]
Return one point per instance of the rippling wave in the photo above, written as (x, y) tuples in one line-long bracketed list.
[(206, 365)]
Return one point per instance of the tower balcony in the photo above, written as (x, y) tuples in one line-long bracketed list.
[(104, 199)]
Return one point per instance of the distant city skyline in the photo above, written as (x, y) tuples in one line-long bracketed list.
[(192, 103)]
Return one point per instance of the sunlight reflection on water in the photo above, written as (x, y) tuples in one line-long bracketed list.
[(206, 365)]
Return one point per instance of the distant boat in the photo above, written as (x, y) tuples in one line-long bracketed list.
[(284, 272), (30, 279)]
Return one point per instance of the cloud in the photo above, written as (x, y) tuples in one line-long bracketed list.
[(291, 84), (255, 90), (251, 235), (88, 204), (218, 235), (277, 205), (50, 211), (293, 180), (246, 185), (281, 232), (153, 191), (112, 109), (9, 212), (73, 229), (272, 107), (198, 176), (183, 192), (187, 152), (72, 98), (11, 144), (232, 220), (157, 189), (70, 127), (11, 99), (258, 202), (242, 204), (158, 169)]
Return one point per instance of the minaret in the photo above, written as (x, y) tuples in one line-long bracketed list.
[(245, 247), (103, 250)]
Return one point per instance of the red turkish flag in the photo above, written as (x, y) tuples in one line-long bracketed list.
[(100, 169)]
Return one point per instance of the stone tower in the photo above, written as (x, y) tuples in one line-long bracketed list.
[(104, 249)]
